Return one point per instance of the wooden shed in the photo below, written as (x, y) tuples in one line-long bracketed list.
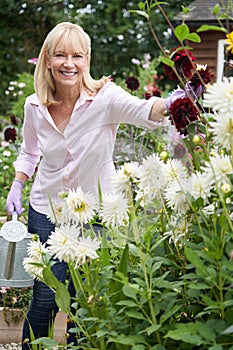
[(212, 49)]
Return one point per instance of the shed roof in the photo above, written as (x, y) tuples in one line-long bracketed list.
[(200, 11)]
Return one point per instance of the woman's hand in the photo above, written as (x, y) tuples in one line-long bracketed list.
[(180, 93), (14, 198)]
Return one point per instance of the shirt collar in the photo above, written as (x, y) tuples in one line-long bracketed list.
[(84, 96)]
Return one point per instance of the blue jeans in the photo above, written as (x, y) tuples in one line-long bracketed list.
[(43, 308)]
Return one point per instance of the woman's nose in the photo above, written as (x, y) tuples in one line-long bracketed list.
[(69, 61)]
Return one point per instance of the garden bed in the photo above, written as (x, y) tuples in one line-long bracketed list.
[(11, 333)]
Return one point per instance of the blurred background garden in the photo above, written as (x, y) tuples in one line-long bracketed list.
[(122, 46)]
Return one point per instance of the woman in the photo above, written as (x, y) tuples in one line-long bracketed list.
[(70, 128)]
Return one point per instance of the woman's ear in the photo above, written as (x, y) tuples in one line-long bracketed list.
[(88, 60)]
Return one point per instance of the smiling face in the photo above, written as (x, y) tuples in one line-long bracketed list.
[(67, 67), (68, 59)]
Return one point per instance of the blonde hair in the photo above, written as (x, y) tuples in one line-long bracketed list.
[(72, 36)]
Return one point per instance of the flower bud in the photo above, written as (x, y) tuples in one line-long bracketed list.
[(226, 188), (196, 139), (164, 155)]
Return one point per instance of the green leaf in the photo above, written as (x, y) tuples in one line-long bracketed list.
[(152, 329), (228, 303), (228, 330), (47, 343), (141, 6), (167, 61), (128, 303), (127, 339), (169, 312), (194, 37), (211, 304), (141, 13), (116, 286), (49, 278), (101, 333), (141, 281), (138, 347), (75, 275), (181, 32), (216, 10), (179, 49), (185, 337), (196, 261), (91, 319), (224, 16), (157, 347), (133, 249), (206, 331), (216, 347), (123, 266), (135, 314), (104, 252), (62, 297), (206, 27), (185, 9), (196, 285), (131, 290)]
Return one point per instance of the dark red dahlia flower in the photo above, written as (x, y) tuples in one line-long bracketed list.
[(13, 119), (182, 112), (155, 92), (132, 83), (205, 75), (184, 65), (170, 72), (147, 95), (10, 134)]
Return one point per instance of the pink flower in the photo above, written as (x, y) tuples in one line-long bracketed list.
[(4, 289), (33, 60), (4, 144), (135, 61)]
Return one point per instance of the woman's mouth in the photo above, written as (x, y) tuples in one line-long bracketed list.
[(69, 74)]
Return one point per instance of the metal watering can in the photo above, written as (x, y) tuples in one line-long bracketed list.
[(13, 248)]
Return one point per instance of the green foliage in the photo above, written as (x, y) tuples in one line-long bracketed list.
[(144, 299), (182, 33), (117, 36), (18, 90)]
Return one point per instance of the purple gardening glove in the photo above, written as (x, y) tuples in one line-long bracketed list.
[(14, 198), (194, 92), (180, 93)]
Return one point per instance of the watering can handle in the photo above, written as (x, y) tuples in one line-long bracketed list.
[(14, 216), (10, 260)]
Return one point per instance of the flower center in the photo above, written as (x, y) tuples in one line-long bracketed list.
[(79, 207)]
